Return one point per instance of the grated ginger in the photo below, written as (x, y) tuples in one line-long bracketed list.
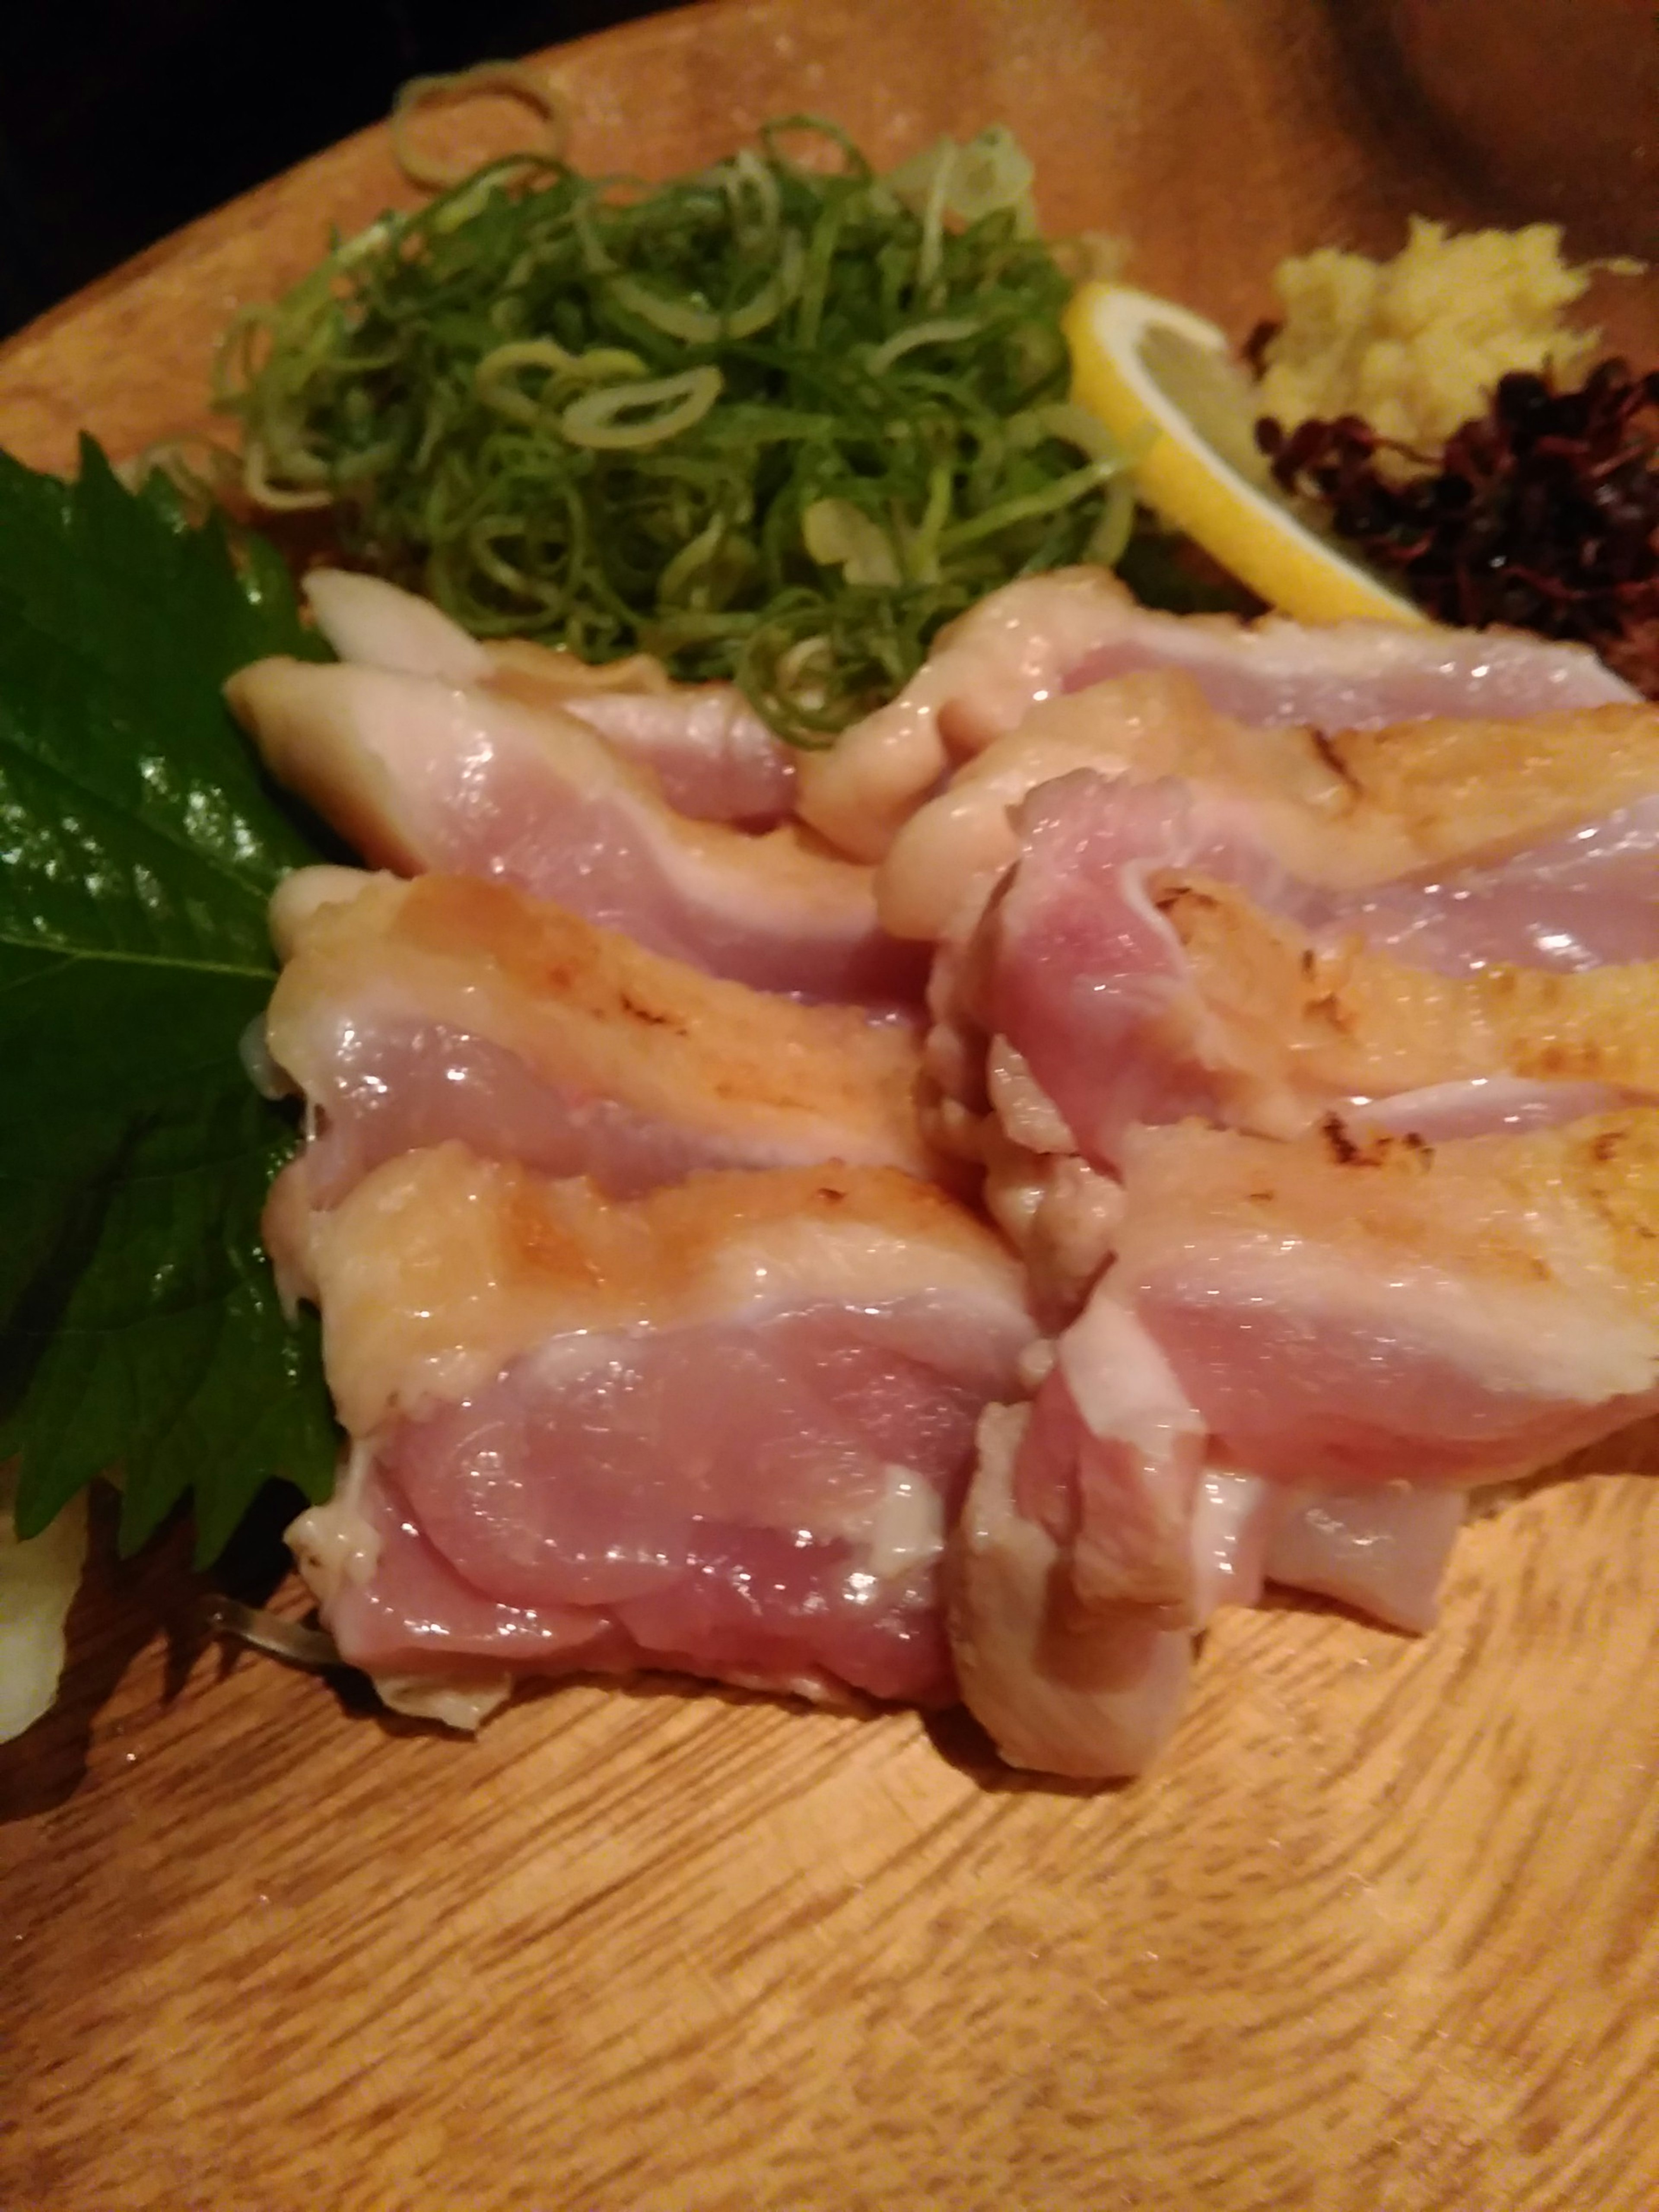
[(1415, 345)]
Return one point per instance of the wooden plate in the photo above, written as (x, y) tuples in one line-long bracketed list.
[(1381, 1933)]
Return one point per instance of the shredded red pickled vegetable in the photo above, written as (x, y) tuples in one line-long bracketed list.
[(1542, 514)]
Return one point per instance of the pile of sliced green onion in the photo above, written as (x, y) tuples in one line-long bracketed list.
[(777, 421)]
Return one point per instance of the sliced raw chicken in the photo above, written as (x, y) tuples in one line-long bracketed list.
[(1379, 1551), (712, 756), (722, 1428), (708, 748), (1189, 999), (1144, 727), (418, 774), (367, 620), (1063, 632), (1345, 1315), (1057, 1685), (1149, 957), (1290, 1029), (1584, 895), (1349, 811), (1300, 1353), (1531, 842), (409, 1013)]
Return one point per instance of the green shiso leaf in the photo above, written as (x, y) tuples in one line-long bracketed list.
[(141, 1334)]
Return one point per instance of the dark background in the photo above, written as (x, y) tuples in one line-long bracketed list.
[(120, 119)]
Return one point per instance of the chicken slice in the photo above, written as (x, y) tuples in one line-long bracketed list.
[(1145, 726), (418, 774), (409, 1013), (1381, 1551), (1189, 999), (710, 752), (722, 1428), (1291, 1029), (1351, 810), (1069, 944), (1531, 842), (1356, 1334), (1584, 895), (1063, 632), (1149, 958), (1462, 1313), (1056, 1686), (372, 621)]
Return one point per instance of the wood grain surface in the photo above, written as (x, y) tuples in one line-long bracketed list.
[(1380, 1935)]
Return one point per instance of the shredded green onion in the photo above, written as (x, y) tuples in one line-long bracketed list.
[(625, 416), (509, 78), (777, 421)]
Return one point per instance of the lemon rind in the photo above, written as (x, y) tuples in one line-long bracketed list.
[(1279, 558)]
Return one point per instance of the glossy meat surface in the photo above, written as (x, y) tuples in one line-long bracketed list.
[(1149, 957), (1350, 811), (721, 1428), (1289, 1026), (1580, 898), (1092, 1693), (419, 774), (785, 1424), (373, 623), (1345, 1315), (1301, 1357), (1144, 994), (1065, 632), (408, 1013), (710, 752)]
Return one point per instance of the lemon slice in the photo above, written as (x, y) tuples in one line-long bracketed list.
[(1164, 383)]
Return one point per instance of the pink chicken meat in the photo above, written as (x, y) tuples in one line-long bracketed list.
[(1046, 635), (1147, 961), (419, 773), (710, 752), (408, 1013), (723, 1428), (630, 1379), (1301, 1358), (1577, 789), (1240, 945)]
